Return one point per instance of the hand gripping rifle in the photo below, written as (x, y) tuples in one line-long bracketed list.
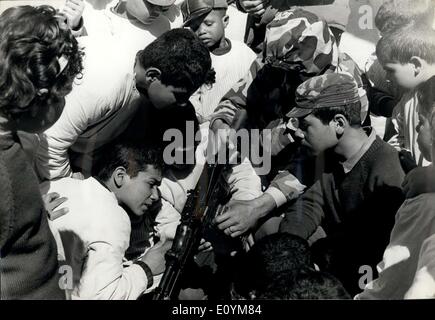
[(202, 205)]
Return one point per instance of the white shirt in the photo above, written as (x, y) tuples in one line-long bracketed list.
[(407, 270), (95, 234), (104, 91), (230, 68)]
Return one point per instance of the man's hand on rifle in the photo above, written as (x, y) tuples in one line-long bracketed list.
[(240, 216), (155, 257)]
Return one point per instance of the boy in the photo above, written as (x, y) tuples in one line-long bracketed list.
[(96, 231), (407, 270), (356, 199), (93, 117), (406, 55), (230, 59), (36, 74)]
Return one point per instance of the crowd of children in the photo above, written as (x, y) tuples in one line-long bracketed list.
[(111, 113)]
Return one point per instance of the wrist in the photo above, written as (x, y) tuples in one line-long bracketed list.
[(263, 205)]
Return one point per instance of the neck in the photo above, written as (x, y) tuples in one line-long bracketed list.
[(351, 142), (222, 47)]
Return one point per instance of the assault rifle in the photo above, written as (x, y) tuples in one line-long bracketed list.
[(202, 205)]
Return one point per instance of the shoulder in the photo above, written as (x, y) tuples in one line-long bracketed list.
[(240, 48), (385, 163)]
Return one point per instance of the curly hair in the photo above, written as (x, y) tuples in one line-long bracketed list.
[(33, 42), (184, 61)]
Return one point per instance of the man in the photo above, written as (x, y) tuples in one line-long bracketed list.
[(288, 60), (356, 199), (96, 231), (261, 12)]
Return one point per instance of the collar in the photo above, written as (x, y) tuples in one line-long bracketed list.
[(224, 50), (352, 161)]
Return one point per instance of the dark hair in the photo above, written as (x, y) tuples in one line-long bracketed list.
[(32, 39), (184, 61), (133, 157), (309, 285), (352, 113), (395, 14), (270, 257), (403, 44)]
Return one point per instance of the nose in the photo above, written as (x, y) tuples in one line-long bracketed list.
[(155, 194)]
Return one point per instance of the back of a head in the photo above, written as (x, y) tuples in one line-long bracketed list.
[(184, 61), (405, 43), (133, 157), (274, 255), (39, 58), (309, 285), (395, 14)]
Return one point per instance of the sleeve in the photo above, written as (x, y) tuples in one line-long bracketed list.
[(244, 183), (306, 214), (105, 278), (52, 160), (235, 99), (423, 286), (285, 187), (167, 220)]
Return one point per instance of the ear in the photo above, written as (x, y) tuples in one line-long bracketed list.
[(417, 64), (119, 176), (152, 74), (340, 123), (225, 20)]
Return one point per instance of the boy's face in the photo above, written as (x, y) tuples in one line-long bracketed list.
[(140, 192), (316, 135), (402, 74), (160, 95), (425, 138), (211, 28)]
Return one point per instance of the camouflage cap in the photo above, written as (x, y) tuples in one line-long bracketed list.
[(328, 90), (193, 9), (299, 40)]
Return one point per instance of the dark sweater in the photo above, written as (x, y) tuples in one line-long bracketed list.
[(356, 210), (28, 253)]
